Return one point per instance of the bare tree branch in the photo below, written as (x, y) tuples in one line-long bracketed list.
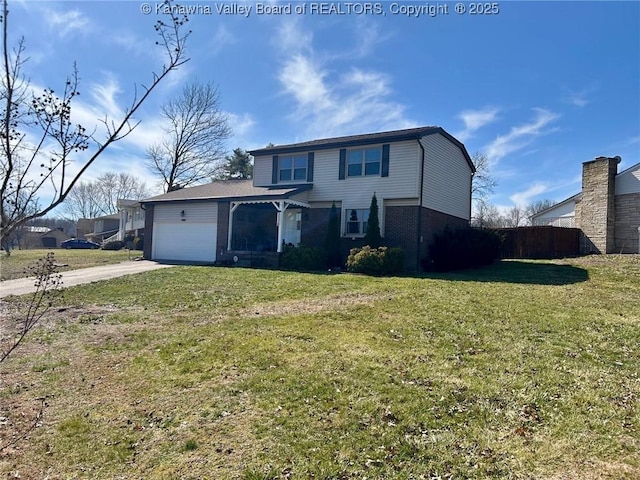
[(194, 142), (100, 197), (27, 166)]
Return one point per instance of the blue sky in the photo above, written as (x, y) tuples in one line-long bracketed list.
[(539, 87)]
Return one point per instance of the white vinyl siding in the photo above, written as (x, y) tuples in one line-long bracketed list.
[(447, 177), (356, 192), (562, 215), (193, 212), (191, 236), (628, 181), (262, 168), (402, 181)]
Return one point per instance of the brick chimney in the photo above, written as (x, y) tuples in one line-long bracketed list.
[(595, 211)]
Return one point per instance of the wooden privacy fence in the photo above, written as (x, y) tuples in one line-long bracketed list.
[(539, 242)]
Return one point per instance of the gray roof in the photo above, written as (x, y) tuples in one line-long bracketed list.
[(228, 190), (368, 138)]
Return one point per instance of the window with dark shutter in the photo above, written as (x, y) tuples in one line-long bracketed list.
[(310, 160), (385, 161)]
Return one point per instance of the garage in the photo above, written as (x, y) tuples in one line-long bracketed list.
[(185, 232)]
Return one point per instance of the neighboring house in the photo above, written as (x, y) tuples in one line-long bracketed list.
[(103, 228), (607, 210), (41, 237), (421, 178), (131, 219)]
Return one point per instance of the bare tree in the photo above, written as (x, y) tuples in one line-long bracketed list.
[(38, 140), (482, 184), (194, 138), (537, 206), (100, 197), (515, 217), (487, 215)]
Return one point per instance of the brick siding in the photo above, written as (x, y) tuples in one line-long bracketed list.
[(627, 209), (595, 212)]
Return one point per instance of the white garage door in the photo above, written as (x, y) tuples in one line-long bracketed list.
[(189, 236)]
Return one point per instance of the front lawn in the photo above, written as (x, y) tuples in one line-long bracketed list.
[(524, 370), (15, 265)]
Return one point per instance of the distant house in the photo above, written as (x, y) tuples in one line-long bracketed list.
[(102, 228), (607, 210), (421, 178), (41, 237), (131, 219)]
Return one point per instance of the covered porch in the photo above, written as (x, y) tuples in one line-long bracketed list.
[(258, 226)]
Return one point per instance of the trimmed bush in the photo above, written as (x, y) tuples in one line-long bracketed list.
[(115, 245), (462, 248), (138, 243), (372, 236), (301, 259), (376, 261)]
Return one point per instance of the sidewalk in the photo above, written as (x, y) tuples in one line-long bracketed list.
[(22, 286)]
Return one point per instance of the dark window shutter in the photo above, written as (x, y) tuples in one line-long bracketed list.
[(274, 170), (343, 163), (384, 171), (310, 157)]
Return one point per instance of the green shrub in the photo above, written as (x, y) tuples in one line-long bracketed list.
[(462, 248), (376, 261), (115, 245), (138, 243), (301, 259)]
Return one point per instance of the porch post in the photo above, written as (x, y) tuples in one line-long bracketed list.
[(122, 227), (281, 206), (233, 206)]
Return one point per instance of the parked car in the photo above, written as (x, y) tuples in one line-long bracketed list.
[(78, 243)]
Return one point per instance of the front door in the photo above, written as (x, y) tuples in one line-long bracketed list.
[(292, 220)]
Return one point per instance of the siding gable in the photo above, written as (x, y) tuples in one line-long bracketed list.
[(447, 177)]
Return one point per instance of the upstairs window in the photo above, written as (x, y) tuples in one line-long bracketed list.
[(364, 161), (292, 168), (356, 221)]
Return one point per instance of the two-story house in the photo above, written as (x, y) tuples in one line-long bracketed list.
[(421, 178)]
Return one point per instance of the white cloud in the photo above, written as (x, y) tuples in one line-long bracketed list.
[(474, 120), (221, 39), (291, 37), (241, 126), (67, 23), (367, 36), (304, 80), (579, 98), (334, 104), (523, 198), (521, 136)]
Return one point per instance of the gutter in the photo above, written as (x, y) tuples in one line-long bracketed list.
[(420, 239)]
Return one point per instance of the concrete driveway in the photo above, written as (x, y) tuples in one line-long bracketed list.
[(23, 286)]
